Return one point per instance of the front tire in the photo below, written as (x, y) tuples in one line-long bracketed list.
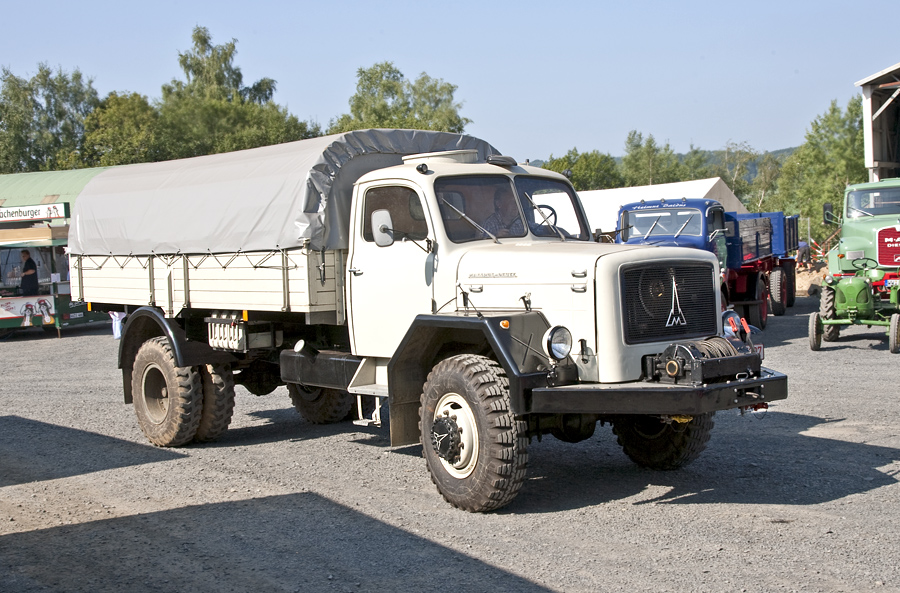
[(168, 400), (758, 313), (815, 332), (319, 405), (894, 334), (475, 449), (654, 444)]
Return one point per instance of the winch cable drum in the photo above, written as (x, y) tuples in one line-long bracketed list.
[(716, 347)]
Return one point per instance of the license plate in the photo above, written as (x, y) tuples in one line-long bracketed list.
[(891, 282), (761, 350)]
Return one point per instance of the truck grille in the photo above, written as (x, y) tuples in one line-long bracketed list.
[(664, 302)]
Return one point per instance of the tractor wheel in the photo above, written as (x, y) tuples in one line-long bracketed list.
[(758, 314), (475, 448), (218, 401), (168, 400), (830, 333), (778, 289), (319, 405), (652, 443), (894, 334), (815, 332)]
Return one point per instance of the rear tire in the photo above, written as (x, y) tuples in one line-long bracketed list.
[(830, 333), (319, 405), (791, 276), (218, 401), (778, 288), (168, 400), (651, 443), (475, 449), (815, 332)]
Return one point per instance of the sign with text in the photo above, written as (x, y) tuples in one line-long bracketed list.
[(37, 212)]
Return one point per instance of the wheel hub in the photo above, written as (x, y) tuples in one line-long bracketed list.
[(445, 438)]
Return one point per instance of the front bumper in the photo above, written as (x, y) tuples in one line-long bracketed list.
[(659, 398)]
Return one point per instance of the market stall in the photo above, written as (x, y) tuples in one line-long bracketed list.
[(34, 267)]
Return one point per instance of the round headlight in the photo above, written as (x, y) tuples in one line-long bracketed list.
[(558, 342)]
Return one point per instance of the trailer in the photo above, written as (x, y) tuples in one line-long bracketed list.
[(419, 270)]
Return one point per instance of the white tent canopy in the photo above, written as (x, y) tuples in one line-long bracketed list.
[(602, 205), (269, 198)]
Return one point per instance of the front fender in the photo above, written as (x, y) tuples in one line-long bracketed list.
[(431, 338)]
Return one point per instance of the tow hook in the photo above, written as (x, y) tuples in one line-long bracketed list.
[(445, 438), (677, 419)]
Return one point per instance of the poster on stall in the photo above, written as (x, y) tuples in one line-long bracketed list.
[(29, 311)]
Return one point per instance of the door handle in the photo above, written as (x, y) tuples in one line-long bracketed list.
[(355, 272)]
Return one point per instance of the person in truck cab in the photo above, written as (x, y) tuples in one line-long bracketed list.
[(505, 221)]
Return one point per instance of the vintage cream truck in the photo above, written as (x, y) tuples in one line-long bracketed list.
[(418, 269)]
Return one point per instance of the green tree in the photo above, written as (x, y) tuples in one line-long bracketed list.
[(831, 157), (768, 169), (123, 129), (647, 163), (42, 118), (734, 166), (590, 170), (212, 111), (696, 164), (384, 98)]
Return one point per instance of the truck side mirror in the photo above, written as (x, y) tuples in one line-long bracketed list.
[(382, 228), (828, 213)]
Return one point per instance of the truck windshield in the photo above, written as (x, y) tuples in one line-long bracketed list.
[(661, 221), (494, 207), (873, 202)]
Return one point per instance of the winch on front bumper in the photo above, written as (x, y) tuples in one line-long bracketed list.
[(687, 378)]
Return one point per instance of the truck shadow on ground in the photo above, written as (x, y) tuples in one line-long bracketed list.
[(790, 469), (297, 542), (56, 452)]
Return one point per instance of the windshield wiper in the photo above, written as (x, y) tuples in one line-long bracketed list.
[(690, 218), (652, 226), (544, 216), (849, 207), (470, 221)]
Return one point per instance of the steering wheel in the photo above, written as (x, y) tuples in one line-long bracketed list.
[(862, 263), (552, 217)]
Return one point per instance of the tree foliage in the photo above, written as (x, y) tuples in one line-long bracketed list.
[(647, 163), (831, 158), (122, 130), (590, 170), (384, 98), (42, 118), (734, 166)]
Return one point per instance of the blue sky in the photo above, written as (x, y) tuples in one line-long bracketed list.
[(536, 78)]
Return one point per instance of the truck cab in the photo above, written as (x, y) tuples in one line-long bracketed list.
[(698, 224)]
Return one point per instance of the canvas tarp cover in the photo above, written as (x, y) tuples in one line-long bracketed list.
[(269, 198)]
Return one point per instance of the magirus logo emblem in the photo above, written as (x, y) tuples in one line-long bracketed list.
[(676, 315)]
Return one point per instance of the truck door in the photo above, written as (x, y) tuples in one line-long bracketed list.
[(388, 286)]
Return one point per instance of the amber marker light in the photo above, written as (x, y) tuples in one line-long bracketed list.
[(505, 324), (244, 316)]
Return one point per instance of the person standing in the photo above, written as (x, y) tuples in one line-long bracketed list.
[(29, 283)]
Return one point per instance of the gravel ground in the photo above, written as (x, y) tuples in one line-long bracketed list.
[(801, 498)]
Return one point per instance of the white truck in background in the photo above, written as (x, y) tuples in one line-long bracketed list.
[(418, 268)]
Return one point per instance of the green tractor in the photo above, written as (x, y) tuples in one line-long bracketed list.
[(863, 285)]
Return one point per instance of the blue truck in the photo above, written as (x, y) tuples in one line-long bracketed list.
[(755, 250)]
